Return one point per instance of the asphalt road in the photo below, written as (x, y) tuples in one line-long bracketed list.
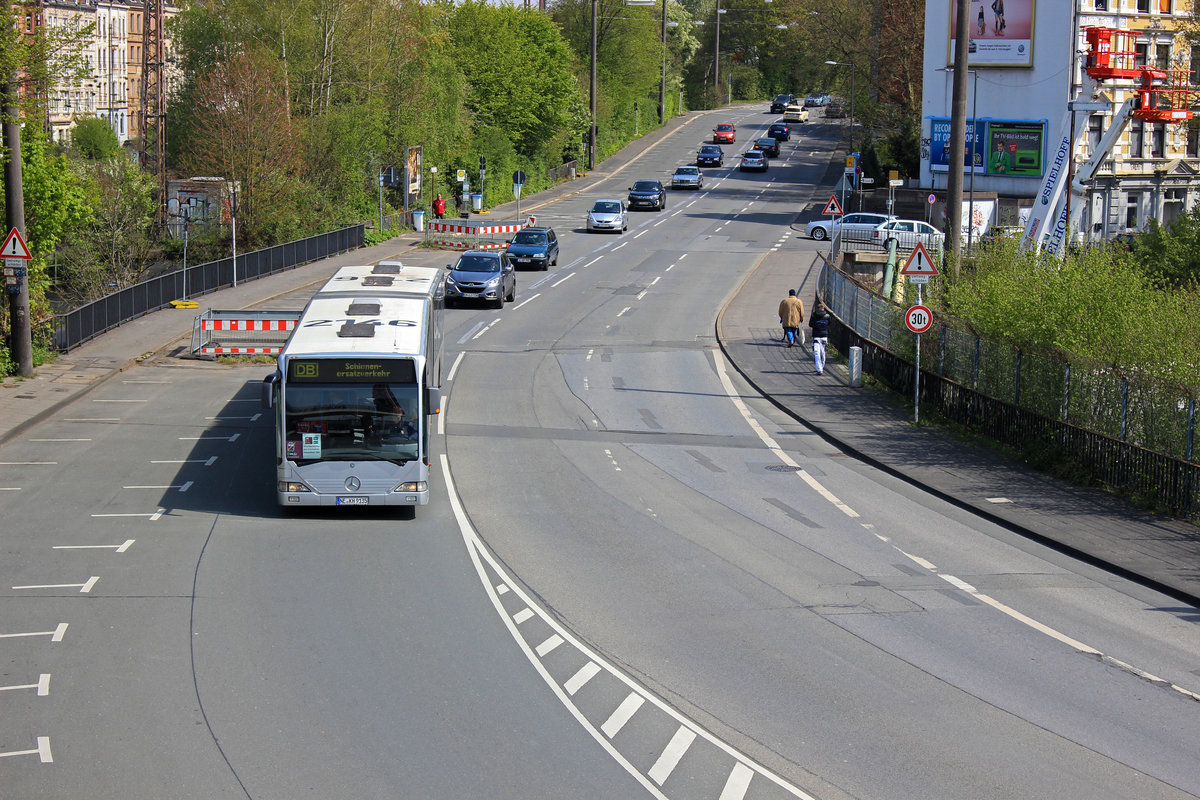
[(622, 588)]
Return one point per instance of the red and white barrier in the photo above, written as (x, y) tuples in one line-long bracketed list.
[(247, 324)]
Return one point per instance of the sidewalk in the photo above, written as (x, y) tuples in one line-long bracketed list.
[(1101, 529), (1158, 552)]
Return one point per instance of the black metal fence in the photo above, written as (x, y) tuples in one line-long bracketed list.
[(86, 322), (1133, 434)]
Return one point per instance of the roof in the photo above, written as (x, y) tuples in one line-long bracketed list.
[(383, 280), (397, 328)]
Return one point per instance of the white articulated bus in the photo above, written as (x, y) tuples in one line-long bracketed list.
[(358, 381)]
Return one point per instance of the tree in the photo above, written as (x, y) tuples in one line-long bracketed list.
[(93, 138), (243, 133), (114, 247)]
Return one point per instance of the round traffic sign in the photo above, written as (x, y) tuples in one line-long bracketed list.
[(918, 319), (932, 199)]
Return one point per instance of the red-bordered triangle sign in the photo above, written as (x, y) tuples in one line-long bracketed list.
[(832, 207), (919, 263), (14, 246)]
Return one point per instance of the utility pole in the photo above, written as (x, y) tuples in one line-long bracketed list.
[(154, 102), (20, 339), (958, 134), (591, 159)]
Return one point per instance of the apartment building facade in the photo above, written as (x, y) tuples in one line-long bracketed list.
[(1029, 85), (114, 58)]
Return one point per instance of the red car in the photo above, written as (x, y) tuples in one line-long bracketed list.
[(724, 133)]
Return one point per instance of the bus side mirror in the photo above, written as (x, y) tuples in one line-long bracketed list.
[(433, 400), (270, 385)]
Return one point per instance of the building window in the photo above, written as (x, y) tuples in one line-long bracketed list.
[(1193, 138), (1095, 132), (1174, 202), (1137, 138), (1162, 56), (1141, 52), (1158, 140), (1133, 205), (1143, 6)]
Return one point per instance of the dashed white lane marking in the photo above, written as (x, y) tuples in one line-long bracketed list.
[(643, 233), (471, 332), (621, 313), (60, 440), (593, 261), (562, 280), (91, 419), (772, 445), (1041, 627), (743, 770), (27, 463), (618, 247), (208, 462), (669, 758), (486, 328), (522, 615), (622, 714), (454, 367), (527, 300)]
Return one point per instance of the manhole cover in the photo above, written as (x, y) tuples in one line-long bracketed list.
[(783, 468)]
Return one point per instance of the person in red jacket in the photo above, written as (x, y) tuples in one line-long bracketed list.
[(439, 207)]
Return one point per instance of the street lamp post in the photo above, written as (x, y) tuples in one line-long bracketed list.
[(849, 64), (717, 50)]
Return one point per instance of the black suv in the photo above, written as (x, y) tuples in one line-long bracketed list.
[(781, 102), (534, 247), (647, 194), (710, 155)]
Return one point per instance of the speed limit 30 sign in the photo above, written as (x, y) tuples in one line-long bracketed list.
[(918, 319)]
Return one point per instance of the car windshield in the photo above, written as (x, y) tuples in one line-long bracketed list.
[(686, 171), (645, 186), (529, 237), (710, 148), (724, 127), (782, 98), (470, 263), (779, 127), (767, 142), (606, 207)]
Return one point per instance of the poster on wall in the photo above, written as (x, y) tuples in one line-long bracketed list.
[(1001, 33), (412, 173), (939, 150), (1016, 148)]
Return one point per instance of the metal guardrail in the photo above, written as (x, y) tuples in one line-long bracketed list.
[(242, 333), (89, 321), (1137, 436)]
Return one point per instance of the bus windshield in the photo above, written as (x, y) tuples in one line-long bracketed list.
[(351, 422)]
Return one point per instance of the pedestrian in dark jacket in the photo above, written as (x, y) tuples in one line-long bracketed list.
[(820, 331), (791, 314)]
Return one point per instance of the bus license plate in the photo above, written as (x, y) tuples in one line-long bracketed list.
[(352, 501)]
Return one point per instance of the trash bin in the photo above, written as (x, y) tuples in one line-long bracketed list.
[(419, 220), (477, 202)]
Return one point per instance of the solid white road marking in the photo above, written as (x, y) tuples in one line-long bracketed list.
[(454, 366), (27, 463), (84, 588), (478, 554), (42, 751), (42, 686), (60, 440), (55, 635), (120, 548)]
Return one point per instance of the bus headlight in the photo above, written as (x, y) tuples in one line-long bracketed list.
[(293, 486), (412, 486)]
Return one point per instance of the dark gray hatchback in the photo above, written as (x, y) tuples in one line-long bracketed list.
[(536, 248)]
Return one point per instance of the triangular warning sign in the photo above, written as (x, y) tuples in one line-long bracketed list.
[(14, 246), (919, 262), (832, 207)]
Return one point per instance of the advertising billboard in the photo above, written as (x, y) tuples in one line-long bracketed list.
[(1015, 148), (939, 150), (1001, 33)]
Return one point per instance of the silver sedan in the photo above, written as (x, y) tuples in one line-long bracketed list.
[(687, 178)]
